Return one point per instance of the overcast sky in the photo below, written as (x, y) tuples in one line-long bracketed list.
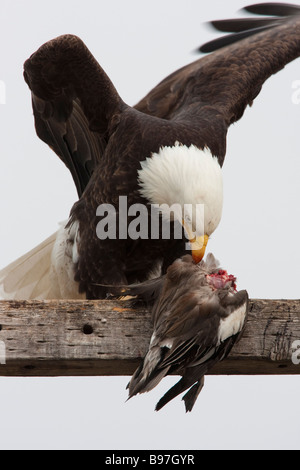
[(138, 43)]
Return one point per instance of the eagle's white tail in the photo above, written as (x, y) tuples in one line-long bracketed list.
[(28, 276), (41, 273)]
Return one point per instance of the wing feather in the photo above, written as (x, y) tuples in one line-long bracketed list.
[(77, 108), (217, 88), (75, 104)]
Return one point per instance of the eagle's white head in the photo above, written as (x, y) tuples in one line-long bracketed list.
[(189, 181)]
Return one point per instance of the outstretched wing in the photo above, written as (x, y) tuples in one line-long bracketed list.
[(217, 88), (75, 104), (76, 107)]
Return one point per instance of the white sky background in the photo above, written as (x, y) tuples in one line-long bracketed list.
[(138, 43)]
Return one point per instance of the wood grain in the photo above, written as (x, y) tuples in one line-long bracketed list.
[(85, 338)]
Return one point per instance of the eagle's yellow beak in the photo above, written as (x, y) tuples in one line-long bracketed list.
[(198, 244)]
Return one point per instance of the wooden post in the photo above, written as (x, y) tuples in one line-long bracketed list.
[(85, 338)]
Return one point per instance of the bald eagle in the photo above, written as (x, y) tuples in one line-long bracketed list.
[(165, 152)]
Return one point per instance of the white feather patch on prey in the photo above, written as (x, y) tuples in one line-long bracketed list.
[(184, 175), (232, 324)]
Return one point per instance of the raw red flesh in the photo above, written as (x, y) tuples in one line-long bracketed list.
[(221, 278)]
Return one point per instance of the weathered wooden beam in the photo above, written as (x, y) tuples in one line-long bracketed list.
[(77, 338)]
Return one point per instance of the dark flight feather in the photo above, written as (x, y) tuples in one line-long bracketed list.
[(246, 27), (276, 9), (238, 25)]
